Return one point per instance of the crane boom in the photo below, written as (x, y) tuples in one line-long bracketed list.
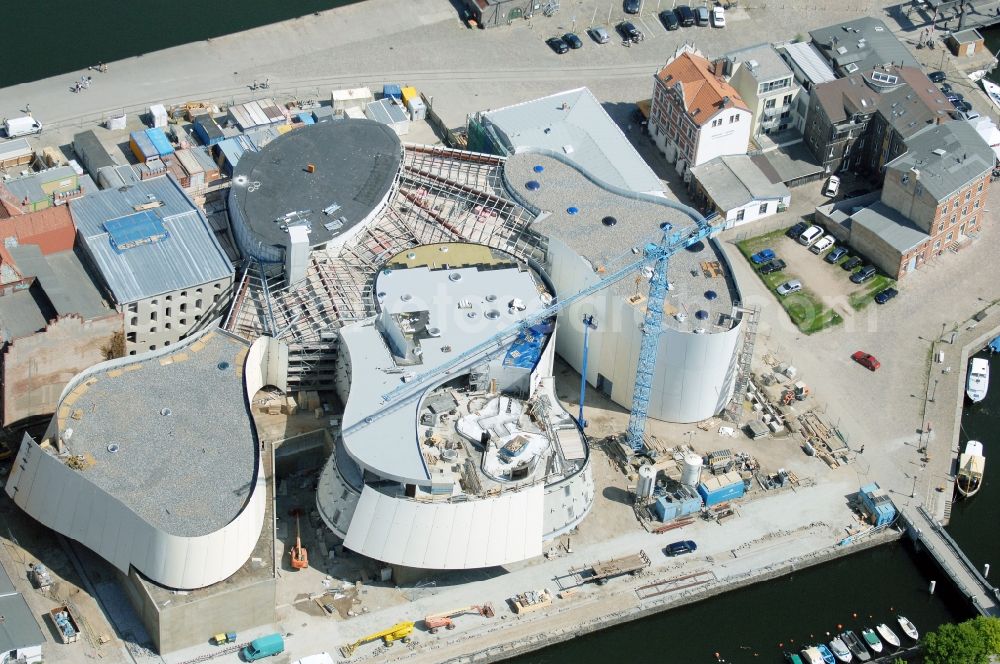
[(657, 254)]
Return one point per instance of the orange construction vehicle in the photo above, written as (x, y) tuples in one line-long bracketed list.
[(438, 620), (300, 557)]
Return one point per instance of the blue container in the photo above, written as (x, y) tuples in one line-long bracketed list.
[(160, 141), (392, 90), (208, 130), (690, 506), (665, 510), (722, 494), (306, 118)]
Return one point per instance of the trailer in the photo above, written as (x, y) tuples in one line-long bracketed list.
[(66, 625), (601, 572)]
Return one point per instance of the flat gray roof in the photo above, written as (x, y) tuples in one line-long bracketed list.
[(356, 162), (735, 181), (787, 163), (637, 221), (18, 629), (575, 124), (30, 186), (389, 446), (769, 65), (895, 229), (864, 42), (187, 446), (809, 61), (21, 314), (65, 281), (189, 255), (6, 585), (948, 156)]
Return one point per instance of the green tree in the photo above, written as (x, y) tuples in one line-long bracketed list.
[(990, 630), (971, 642)]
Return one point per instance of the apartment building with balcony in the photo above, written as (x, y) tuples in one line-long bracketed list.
[(767, 85)]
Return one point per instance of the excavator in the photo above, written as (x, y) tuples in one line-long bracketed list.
[(398, 632), (438, 620), (300, 557)]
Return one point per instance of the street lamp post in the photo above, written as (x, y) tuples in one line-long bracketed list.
[(933, 390)]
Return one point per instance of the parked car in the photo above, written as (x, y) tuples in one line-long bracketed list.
[(762, 256), (822, 244), (632, 6), (701, 16), (573, 41), (946, 88), (629, 32), (963, 107), (810, 235), (884, 296), (599, 35), (835, 255), (793, 286), (852, 263), (795, 231), (685, 15), (669, 20), (718, 17), (832, 186), (774, 266), (557, 45), (937, 76), (680, 548), (864, 274), (866, 360)]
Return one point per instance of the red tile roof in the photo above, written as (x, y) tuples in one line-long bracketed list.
[(51, 229), (703, 90)]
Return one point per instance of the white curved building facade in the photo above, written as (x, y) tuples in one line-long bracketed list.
[(146, 481)]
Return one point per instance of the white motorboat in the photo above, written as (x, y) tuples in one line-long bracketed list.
[(979, 379), (840, 650), (872, 640), (992, 91), (887, 635), (971, 467), (812, 655), (908, 628)]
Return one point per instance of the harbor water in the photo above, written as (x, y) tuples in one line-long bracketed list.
[(59, 36), (757, 624)]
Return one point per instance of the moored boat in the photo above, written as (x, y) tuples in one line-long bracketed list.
[(887, 635), (908, 628), (871, 638), (828, 657), (840, 650), (793, 658), (971, 466), (978, 382), (812, 655), (992, 91), (856, 646)]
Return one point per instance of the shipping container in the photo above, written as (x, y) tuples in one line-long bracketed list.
[(388, 112), (152, 169), (258, 116), (408, 93), (305, 118), (207, 129), (351, 98), (16, 153), (208, 165), (91, 152), (158, 116), (238, 116), (142, 147), (229, 152), (160, 142), (721, 488), (392, 91), (272, 111), (324, 114)]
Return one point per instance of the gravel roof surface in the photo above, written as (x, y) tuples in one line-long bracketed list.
[(189, 471)]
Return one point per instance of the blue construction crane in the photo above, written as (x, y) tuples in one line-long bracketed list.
[(653, 254)]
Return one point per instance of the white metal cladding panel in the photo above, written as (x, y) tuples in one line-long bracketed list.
[(472, 534)]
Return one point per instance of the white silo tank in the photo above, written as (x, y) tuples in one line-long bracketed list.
[(691, 471), (647, 482)]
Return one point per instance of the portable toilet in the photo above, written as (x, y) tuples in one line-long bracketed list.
[(265, 646)]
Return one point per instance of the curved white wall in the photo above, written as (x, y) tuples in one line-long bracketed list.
[(63, 499)]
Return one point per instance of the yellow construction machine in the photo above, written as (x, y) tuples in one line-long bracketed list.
[(398, 632), (438, 620)]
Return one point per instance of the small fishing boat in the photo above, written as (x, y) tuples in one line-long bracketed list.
[(887, 635), (856, 646), (971, 467), (979, 379), (908, 628), (828, 657), (792, 658), (871, 638), (992, 91), (812, 655), (840, 650)]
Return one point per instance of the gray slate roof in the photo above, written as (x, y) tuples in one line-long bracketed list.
[(189, 257), (770, 66), (814, 67), (21, 314), (895, 229), (865, 42), (735, 181), (63, 278), (596, 143), (18, 629), (965, 157)]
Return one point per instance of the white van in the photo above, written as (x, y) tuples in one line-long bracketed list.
[(810, 235), (22, 126), (832, 186), (824, 243)]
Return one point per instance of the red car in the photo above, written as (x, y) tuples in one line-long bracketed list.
[(868, 361)]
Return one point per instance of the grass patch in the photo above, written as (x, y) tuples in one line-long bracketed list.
[(865, 296), (804, 308)]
